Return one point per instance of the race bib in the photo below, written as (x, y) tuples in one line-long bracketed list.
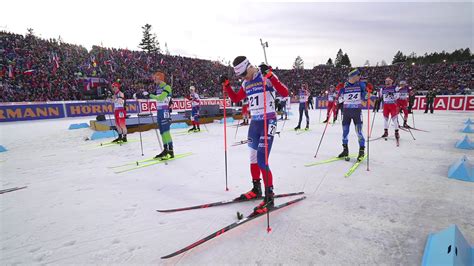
[(388, 97), (166, 115), (121, 115), (256, 104), (352, 98), (403, 95)]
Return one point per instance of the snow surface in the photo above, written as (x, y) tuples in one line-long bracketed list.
[(77, 210)]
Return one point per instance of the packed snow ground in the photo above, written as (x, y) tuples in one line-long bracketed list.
[(77, 210)]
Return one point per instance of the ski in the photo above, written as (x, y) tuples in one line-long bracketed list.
[(422, 130), (225, 202), (183, 133), (354, 167), (111, 144), (151, 159), (376, 139), (152, 162), (239, 125), (330, 160), (414, 128), (301, 131), (11, 189), (240, 142), (230, 227)]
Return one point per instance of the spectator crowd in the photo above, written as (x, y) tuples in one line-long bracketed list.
[(33, 69)]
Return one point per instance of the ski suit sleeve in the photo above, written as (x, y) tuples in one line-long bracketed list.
[(166, 92), (340, 88), (235, 97), (278, 85)]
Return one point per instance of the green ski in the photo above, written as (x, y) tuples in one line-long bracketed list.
[(354, 167), (108, 144), (153, 162), (330, 160)]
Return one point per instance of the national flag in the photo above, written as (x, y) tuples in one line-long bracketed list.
[(29, 72)]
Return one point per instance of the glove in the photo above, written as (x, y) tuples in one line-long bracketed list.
[(369, 88), (135, 96), (145, 93), (223, 80), (266, 70)]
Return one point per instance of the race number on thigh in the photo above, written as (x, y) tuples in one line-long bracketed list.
[(271, 129)]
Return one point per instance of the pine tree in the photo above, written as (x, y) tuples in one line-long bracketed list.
[(329, 62), (346, 61), (149, 41), (383, 63), (299, 63), (30, 33), (399, 58), (367, 63), (338, 60)]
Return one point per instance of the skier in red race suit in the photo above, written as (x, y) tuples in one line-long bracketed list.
[(332, 104), (252, 87), (402, 102), (119, 112), (390, 108)]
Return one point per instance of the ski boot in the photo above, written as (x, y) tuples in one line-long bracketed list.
[(307, 126), (193, 129), (124, 138), (297, 128), (268, 202), (163, 153), (345, 152), (397, 135), (334, 120), (198, 129), (117, 139), (405, 125), (169, 154), (385, 133), (325, 121), (361, 154), (255, 192)]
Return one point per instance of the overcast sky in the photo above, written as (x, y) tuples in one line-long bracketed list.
[(371, 31)]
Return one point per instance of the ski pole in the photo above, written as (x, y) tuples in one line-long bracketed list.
[(320, 110), (112, 126), (139, 131), (237, 129), (153, 121), (265, 130), (372, 126), (368, 131), (324, 132), (225, 135), (408, 130), (413, 117)]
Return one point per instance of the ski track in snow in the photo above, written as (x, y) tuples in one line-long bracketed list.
[(77, 210)]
